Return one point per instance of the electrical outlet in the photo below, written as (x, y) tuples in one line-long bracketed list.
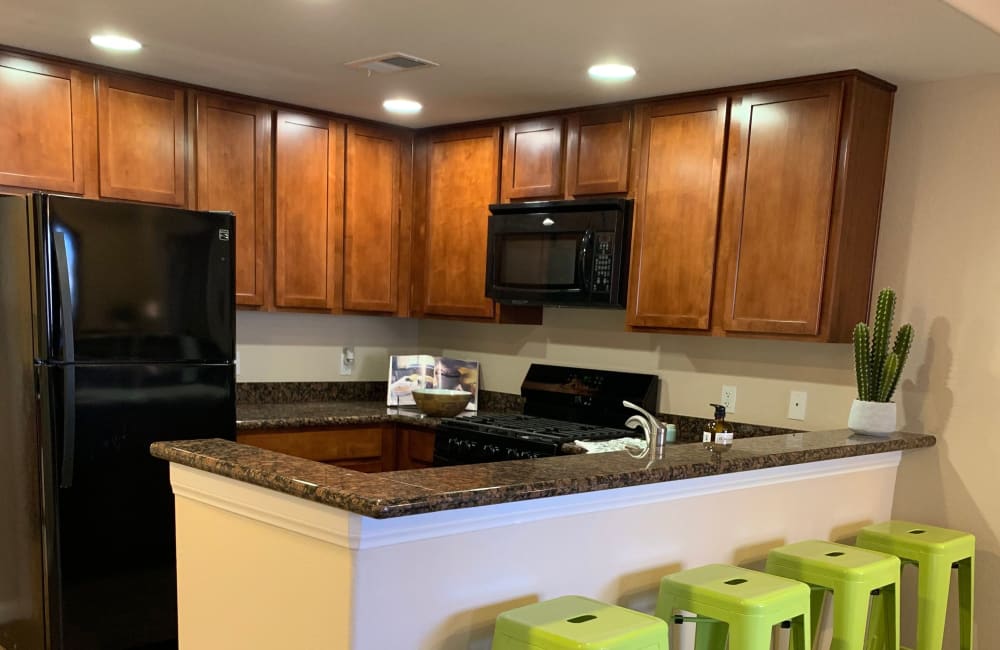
[(347, 360), (797, 405), (728, 398)]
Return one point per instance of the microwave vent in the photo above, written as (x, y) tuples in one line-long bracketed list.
[(391, 62)]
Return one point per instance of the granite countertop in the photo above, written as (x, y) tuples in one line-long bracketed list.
[(409, 492), (328, 413)]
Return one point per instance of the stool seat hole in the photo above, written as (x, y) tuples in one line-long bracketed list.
[(916, 531), (835, 554), (735, 581), (581, 619)]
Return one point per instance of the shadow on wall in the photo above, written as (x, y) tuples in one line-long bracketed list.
[(929, 486)]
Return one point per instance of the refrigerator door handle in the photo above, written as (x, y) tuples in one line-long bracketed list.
[(68, 427), (65, 297), (69, 356)]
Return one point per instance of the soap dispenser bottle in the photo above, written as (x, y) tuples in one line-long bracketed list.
[(718, 437)]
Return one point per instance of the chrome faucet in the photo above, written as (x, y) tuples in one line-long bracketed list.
[(655, 430)]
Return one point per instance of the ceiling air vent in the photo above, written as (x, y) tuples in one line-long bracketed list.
[(391, 62)]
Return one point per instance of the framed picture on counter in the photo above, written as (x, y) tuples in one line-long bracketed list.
[(410, 371)]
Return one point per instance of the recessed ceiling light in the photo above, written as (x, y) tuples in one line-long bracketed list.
[(113, 42), (404, 106), (611, 72)]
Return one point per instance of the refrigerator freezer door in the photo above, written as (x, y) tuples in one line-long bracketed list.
[(145, 283), (114, 523)]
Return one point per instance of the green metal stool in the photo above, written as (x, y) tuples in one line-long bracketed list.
[(853, 575), (578, 623), (747, 604), (935, 551)]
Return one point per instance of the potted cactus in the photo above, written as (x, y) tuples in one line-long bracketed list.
[(878, 369)]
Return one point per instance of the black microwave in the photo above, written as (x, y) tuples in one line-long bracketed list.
[(569, 253)]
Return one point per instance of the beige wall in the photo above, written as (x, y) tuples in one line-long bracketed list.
[(306, 347), (939, 248)]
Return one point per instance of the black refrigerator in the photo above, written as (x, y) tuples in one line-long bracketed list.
[(116, 330)]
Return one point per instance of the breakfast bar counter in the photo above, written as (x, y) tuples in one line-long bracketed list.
[(396, 494), (277, 551)]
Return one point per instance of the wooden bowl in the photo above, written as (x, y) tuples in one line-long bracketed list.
[(441, 402)]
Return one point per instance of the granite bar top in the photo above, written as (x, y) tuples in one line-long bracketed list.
[(410, 492), (251, 417)]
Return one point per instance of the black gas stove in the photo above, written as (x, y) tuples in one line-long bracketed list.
[(561, 405)]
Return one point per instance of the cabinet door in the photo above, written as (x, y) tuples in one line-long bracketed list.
[(141, 140), (457, 181), (308, 211), (47, 116), (234, 173), (780, 172), (597, 152), (532, 159), (371, 220), (415, 447), (677, 213)]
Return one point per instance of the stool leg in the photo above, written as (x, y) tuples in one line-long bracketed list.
[(816, 597), (878, 618), (883, 620), (750, 634), (966, 596), (933, 583), (710, 636), (850, 614), (802, 637)]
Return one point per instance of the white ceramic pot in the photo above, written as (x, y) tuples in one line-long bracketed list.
[(872, 418)]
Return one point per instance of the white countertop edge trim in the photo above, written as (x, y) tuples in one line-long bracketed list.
[(356, 532)]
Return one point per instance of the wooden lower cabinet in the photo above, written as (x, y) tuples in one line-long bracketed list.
[(365, 449), (414, 447), (374, 448)]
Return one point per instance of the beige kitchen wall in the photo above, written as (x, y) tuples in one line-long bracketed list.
[(307, 347), (939, 247)]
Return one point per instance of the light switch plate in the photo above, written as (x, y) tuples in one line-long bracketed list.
[(237, 363), (728, 398), (797, 405)]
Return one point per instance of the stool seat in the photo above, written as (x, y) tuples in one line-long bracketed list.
[(935, 551), (579, 623), (852, 574), (749, 602)]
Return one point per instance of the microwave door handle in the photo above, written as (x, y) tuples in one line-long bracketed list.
[(581, 261)]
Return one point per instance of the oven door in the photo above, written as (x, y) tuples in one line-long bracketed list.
[(540, 258)]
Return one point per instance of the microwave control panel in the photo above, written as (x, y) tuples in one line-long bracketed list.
[(603, 262)]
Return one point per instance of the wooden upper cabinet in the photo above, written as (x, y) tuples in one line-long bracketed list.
[(677, 213), (805, 172), (308, 211), (141, 140), (533, 159), (782, 164), (597, 152), (234, 173), (372, 219), (456, 181), (47, 118)]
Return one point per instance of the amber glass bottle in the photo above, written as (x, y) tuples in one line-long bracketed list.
[(718, 436)]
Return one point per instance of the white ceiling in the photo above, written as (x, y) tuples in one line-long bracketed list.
[(505, 57)]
